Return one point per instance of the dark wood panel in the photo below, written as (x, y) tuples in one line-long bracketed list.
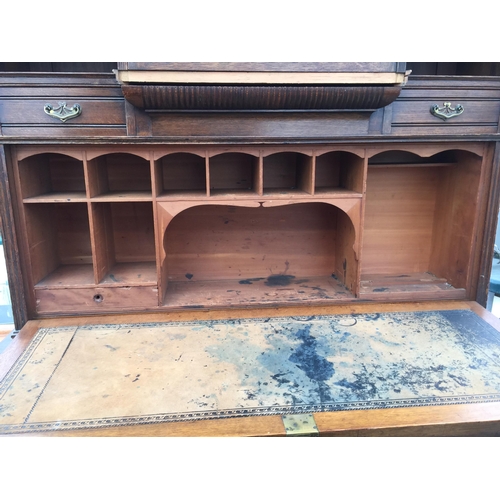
[(97, 112), (58, 66), (254, 125), (13, 262), (61, 132), (446, 129), (418, 112)]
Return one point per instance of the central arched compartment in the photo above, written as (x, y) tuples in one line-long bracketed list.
[(220, 255)]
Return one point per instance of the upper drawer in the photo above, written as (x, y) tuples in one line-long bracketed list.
[(23, 100), (476, 99)]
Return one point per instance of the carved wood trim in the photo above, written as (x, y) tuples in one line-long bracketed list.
[(259, 97)]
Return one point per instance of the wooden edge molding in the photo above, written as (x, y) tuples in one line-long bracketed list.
[(266, 77)]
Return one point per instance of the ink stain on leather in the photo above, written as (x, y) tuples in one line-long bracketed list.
[(306, 357), (188, 276)]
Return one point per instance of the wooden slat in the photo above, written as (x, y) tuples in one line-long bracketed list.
[(264, 77)]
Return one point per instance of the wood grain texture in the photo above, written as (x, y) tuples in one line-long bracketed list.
[(492, 197), (455, 223), (15, 270), (399, 219), (232, 92), (212, 242), (238, 126)]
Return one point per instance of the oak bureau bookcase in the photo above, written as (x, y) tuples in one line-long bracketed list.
[(166, 186), (173, 186)]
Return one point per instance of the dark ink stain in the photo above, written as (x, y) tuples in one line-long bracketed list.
[(112, 278), (111, 347), (279, 280), (188, 276), (459, 380), (438, 368), (280, 379), (380, 289), (249, 281), (192, 307), (362, 386), (314, 366)]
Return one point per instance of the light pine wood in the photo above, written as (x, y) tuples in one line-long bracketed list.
[(181, 172), (243, 243), (399, 218), (403, 220), (232, 172), (98, 299), (260, 77), (455, 221), (102, 240)]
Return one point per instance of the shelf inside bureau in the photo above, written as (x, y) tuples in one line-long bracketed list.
[(415, 286), (246, 226), (275, 290), (66, 276)]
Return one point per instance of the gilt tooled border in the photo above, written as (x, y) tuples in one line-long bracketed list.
[(97, 423)]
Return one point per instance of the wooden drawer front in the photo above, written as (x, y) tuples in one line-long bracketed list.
[(479, 116), (480, 99), (23, 98), (98, 299), (27, 117), (30, 112)]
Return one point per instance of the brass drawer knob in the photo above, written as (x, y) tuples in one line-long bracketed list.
[(447, 112), (62, 112)]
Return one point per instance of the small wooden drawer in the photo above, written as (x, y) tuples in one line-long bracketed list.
[(478, 101), (478, 117), (94, 112), (98, 299), (22, 107)]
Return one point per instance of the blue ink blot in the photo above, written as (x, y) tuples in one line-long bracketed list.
[(307, 359)]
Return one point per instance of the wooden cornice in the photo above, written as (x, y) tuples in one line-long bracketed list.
[(260, 86)]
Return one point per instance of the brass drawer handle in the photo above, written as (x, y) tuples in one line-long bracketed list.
[(63, 112), (447, 112)]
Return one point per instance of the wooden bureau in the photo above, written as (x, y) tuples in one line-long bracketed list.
[(195, 189)]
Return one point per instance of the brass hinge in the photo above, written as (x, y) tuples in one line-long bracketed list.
[(300, 425)]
